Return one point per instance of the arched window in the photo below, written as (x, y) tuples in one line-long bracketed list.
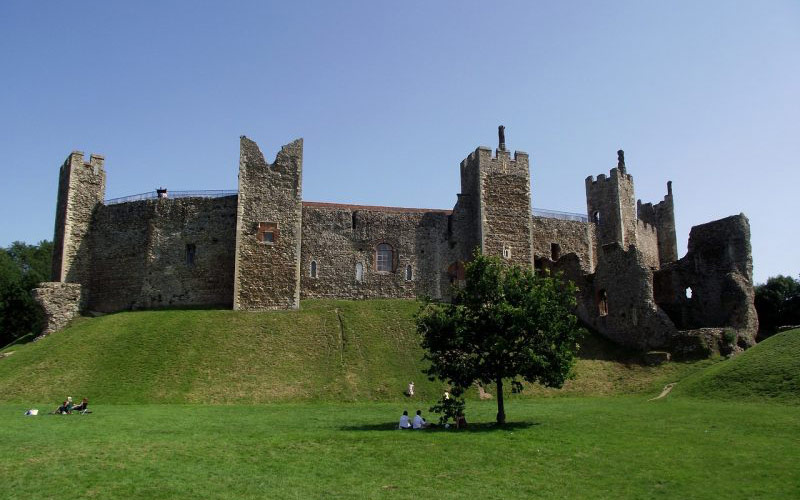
[(359, 272), (313, 268), (409, 273), (689, 292), (602, 303), (383, 258), (596, 217)]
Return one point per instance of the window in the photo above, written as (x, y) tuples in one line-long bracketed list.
[(596, 217), (190, 251), (602, 303), (689, 292), (506, 252), (383, 258), (267, 232), (359, 272), (409, 273), (555, 251), (313, 271)]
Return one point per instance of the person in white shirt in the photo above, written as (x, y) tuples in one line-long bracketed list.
[(404, 423), (419, 422)]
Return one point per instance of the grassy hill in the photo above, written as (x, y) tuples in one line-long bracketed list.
[(770, 371), (326, 351)]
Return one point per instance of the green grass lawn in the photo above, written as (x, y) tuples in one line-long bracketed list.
[(621, 447), (303, 404)]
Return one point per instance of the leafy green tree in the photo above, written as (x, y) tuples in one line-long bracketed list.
[(507, 323), (778, 302), (22, 268)]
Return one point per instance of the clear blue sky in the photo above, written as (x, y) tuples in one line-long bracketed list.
[(390, 96)]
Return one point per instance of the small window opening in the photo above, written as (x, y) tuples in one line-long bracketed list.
[(190, 253), (409, 273), (602, 303), (267, 232), (383, 258), (689, 292), (359, 272), (353, 220), (555, 251), (506, 252), (596, 217), (313, 268)]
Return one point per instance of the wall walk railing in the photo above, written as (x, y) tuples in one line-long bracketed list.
[(152, 195), (555, 214)]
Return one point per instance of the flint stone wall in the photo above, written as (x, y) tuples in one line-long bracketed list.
[(60, 302), (718, 268), (140, 256), (573, 237), (337, 238)]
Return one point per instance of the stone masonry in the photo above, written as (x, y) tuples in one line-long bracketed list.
[(263, 248)]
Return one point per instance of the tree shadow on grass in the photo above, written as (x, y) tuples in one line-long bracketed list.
[(476, 427)]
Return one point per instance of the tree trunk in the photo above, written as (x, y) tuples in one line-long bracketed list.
[(501, 409)]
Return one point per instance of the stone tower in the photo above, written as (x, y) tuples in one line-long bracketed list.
[(662, 217), (610, 205), (81, 188), (269, 218), (501, 186)]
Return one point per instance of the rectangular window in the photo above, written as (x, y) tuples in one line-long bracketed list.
[(267, 232), (190, 251)]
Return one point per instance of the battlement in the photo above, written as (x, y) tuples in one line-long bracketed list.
[(645, 226), (615, 174), (76, 158), (499, 161)]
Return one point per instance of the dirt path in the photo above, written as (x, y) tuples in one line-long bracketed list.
[(664, 391)]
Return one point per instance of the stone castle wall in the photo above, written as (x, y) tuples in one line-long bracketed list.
[(342, 240), (163, 253), (571, 237), (266, 249)]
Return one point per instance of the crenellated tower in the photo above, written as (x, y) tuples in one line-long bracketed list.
[(269, 218), (499, 188), (662, 217), (610, 205), (81, 188)]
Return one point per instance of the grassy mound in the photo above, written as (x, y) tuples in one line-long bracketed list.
[(770, 371), (326, 351)]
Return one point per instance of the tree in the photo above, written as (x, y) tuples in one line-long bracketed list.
[(506, 323), (778, 302), (22, 268)]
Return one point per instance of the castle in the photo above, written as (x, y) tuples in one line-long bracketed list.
[(263, 247)]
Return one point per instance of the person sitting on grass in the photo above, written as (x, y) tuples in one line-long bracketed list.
[(419, 422), (81, 406), (404, 423), (65, 408)]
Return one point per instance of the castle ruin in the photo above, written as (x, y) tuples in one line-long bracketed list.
[(262, 247)]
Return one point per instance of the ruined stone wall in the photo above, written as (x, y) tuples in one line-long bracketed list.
[(630, 316), (571, 237), (712, 286), (60, 302), (505, 204), (337, 238), (647, 243), (269, 227), (662, 217), (163, 253), (81, 188)]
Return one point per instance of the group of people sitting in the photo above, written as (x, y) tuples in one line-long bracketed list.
[(419, 423), (67, 407)]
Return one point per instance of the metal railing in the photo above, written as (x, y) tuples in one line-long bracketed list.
[(555, 214), (152, 195)]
